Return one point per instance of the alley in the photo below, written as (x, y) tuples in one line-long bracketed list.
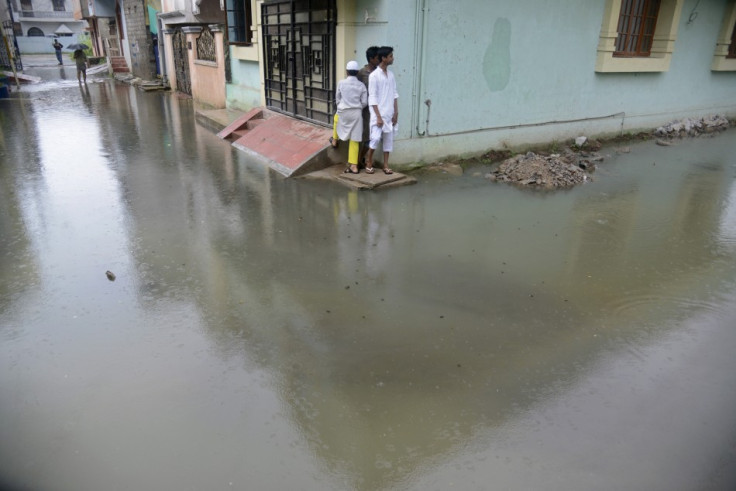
[(265, 333)]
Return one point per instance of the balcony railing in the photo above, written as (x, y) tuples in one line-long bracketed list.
[(41, 14)]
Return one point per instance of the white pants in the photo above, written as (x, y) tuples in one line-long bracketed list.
[(377, 135)]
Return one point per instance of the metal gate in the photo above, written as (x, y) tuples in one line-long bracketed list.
[(5, 56), (181, 62), (299, 51)]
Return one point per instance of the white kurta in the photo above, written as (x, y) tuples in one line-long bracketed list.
[(351, 97), (381, 93)]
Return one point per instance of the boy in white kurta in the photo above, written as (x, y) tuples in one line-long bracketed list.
[(351, 97), (383, 101)]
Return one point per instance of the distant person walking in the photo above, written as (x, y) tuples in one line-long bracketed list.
[(81, 60), (57, 48), (383, 101), (351, 97)]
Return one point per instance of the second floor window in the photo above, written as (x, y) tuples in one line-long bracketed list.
[(636, 24), (26, 5), (238, 21), (59, 5)]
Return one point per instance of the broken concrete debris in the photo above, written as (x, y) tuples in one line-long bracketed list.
[(692, 127), (547, 172)]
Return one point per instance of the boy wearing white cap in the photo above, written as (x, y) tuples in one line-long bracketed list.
[(351, 97)]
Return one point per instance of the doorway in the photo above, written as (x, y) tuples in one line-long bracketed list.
[(181, 61), (299, 54)]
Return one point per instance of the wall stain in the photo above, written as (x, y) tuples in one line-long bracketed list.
[(497, 59)]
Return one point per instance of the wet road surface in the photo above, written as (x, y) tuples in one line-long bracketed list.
[(264, 333)]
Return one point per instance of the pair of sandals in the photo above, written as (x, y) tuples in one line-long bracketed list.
[(371, 170), (368, 170)]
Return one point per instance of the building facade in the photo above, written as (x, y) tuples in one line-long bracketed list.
[(35, 21), (479, 74)]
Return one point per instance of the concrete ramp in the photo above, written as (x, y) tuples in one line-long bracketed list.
[(290, 146), (21, 77)]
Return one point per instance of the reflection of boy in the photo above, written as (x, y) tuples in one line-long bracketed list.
[(383, 100), (351, 97), (57, 47), (81, 60), (371, 55)]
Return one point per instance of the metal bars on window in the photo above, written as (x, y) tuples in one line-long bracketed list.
[(636, 25), (299, 54), (732, 46), (206, 46)]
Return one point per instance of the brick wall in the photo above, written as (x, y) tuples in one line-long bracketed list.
[(139, 40)]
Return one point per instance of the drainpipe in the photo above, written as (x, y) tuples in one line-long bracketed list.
[(162, 50), (420, 42)]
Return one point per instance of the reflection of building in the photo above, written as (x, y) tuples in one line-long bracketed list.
[(649, 234)]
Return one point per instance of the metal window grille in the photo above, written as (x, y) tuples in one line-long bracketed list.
[(299, 54), (732, 46), (206, 46), (636, 25)]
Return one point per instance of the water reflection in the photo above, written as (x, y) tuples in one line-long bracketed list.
[(378, 334), (390, 343), (727, 225)]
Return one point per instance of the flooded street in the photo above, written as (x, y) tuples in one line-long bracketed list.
[(272, 334)]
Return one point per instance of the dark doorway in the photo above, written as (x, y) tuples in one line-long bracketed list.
[(181, 62)]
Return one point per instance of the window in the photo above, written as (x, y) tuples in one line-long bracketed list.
[(35, 32), (638, 35), (26, 5), (239, 21), (636, 24), (59, 5), (724, 58)]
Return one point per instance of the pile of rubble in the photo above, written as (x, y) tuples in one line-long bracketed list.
[(145, 85), (548, 172), (692, 127)]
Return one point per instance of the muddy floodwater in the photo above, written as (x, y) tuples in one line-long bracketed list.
[(272, 334)]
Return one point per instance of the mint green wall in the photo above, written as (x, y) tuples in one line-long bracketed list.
[(502, 73), (492, 63), (244, 93)]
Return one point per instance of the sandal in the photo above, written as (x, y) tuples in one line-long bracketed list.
[(348, 170), (369, 170), (388, 171), (334, 142)]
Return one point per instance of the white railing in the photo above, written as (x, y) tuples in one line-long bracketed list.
[(46, 14), (112, 46)]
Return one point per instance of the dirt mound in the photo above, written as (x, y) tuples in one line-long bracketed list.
[(547, 172)]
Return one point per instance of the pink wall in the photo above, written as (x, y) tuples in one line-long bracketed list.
[(208, 77)]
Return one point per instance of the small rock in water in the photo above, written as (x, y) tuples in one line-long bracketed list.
[(110, 275)]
